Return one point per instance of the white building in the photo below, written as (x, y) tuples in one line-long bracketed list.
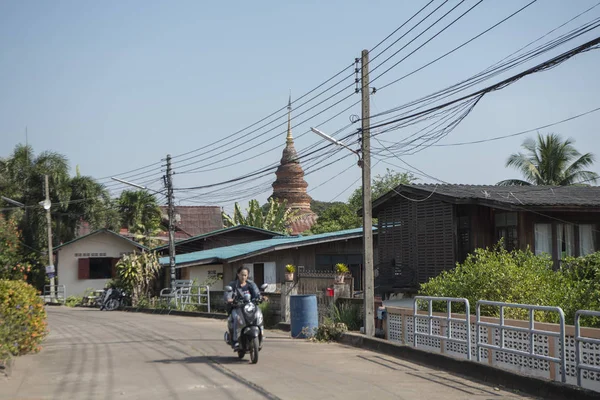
[(89, 261)]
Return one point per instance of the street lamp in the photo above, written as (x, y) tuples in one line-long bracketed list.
[(11, 201), (368, 290)]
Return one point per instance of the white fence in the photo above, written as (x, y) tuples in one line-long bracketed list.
[(530, 348)]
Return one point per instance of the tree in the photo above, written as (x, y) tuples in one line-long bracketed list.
[(137, 273), (140, 212), (381, 185), (336, 218), (277, 217), (550, 160), (74, 200)]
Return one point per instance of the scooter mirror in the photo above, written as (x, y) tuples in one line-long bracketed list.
[(263, 287), (228, 289)]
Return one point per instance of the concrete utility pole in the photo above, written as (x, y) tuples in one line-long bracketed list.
[(47, 205), (369, 292), (171, 221)]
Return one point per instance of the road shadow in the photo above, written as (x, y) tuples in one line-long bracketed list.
[(223, 360)]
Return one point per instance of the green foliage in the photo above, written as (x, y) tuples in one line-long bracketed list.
[(341, 268), (319, 207), (348, 314), (336, 218), (141, 214), (550, 160), (381, 185), (11, 261), (268, 314), (521, 277), (289, 268), (22, 318), (328, 331), (137, 273), (580, 287), (22, 179), (73, 301), (276, 217)]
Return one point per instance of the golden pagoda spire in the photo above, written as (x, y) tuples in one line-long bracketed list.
[(290, 139)]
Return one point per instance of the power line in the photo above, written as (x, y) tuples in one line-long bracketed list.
[(590, 45), (518, 133)]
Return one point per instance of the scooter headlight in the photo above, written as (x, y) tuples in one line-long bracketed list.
[(249, 308)]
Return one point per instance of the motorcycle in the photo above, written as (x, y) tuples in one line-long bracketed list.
[(249, 323), (112, 299)]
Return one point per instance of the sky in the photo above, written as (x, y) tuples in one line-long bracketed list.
[(116, 86)]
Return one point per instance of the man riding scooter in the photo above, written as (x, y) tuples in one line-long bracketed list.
[(240, 287)]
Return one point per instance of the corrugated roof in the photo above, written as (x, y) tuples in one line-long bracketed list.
[(221, 231), (532, 196), (100, 231), (244, 250)]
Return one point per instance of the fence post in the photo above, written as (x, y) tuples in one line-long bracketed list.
[(287, 289)]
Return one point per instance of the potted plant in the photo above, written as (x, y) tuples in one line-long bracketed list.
[(341, 270), (289, 272)]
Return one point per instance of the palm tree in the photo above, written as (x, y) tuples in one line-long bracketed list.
[(23, 179), (277, 217), (550, 160), (140, 212)]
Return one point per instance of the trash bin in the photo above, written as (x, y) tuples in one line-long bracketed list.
[(303, 314)]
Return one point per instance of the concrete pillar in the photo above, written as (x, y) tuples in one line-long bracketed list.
[(287, 289), (341, 290)]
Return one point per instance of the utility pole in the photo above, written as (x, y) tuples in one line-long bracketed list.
[(50, 270), (171, 213), (369, 293)]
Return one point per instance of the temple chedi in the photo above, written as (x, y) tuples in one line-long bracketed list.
[(291, 186)]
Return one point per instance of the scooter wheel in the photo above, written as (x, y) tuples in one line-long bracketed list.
[(241, 354)]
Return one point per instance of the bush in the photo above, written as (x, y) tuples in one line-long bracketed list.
[(522, 277), (328, 331), (22, 317), (347, 313), (498, 275), (268, 315), (73, 301)]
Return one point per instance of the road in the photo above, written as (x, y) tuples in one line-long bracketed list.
[(94, 355)]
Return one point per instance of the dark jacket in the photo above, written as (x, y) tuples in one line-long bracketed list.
[(251, 287)]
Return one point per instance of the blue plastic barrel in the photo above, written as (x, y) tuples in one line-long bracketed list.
[(303, 314)]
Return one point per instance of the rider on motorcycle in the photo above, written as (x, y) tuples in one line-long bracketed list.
[(240, 287)]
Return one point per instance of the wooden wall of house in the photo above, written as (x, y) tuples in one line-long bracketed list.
[(303, 256), (417, 240), (530, 218)]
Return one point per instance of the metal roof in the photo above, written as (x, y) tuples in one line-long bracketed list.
[(245, 250), (219, 232), (516, 196), (141, 246)]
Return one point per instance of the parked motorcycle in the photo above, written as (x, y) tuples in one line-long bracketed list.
[(250, 326), (112, 299)]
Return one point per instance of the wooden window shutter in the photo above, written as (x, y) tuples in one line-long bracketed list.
[(113, 270), (84, 268)]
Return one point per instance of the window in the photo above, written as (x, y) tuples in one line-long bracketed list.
[(587, 239), (506, 227), (543, 239), (565, 240), (101, 268)]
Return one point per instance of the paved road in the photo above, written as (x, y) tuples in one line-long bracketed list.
[(93, 355)]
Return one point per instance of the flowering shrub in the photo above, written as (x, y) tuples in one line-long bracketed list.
[(22, 318), (11, 266)]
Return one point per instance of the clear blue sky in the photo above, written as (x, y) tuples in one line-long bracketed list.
[(117, 85)]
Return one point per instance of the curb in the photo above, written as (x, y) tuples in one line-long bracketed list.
[(6, 366), (543, 388), (176, 312)]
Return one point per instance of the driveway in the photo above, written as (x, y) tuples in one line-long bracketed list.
[(96, 355)]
